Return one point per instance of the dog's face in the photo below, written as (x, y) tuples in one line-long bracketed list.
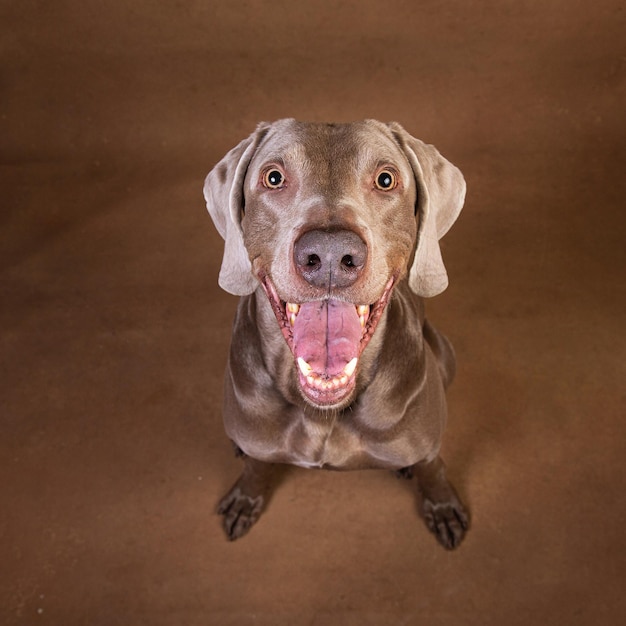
[(326, 217), (329, 225)]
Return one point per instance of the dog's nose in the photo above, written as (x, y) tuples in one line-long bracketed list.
[(330, 259)]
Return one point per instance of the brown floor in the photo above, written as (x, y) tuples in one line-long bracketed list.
[(113, 332)]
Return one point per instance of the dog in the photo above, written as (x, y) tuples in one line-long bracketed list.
[(331, 238)]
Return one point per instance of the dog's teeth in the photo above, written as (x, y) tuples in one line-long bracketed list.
[(305, 368), (326, 384), (363, 313), (350, 367), (292, 311)]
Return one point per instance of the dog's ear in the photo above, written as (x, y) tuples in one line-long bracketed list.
[(440, 197), (223, 192)]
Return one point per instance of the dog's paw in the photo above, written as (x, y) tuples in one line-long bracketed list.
[(448, 521), (240, 512)]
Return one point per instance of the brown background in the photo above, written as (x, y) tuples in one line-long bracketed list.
[(114, 333)]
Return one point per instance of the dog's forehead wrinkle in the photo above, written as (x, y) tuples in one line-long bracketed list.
[(352, 153), (283, 150)]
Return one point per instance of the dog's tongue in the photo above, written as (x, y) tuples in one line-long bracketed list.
[(327, 335)]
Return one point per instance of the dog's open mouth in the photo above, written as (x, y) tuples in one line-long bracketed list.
[(327, 338)]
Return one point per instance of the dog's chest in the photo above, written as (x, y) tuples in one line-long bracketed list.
[(339, 443), (323, 444)]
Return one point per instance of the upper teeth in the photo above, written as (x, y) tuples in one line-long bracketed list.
[(363, 311), (292, 311)]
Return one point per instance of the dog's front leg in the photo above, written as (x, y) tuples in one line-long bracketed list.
[(244, 503), (439, 504)]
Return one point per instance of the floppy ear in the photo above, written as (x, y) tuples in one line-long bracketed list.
[(223, 192), (440, 197)]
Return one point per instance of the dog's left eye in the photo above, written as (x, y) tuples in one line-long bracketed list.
[(273, 179), (386, 180)]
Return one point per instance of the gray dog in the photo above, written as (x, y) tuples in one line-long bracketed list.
[(332, 239)]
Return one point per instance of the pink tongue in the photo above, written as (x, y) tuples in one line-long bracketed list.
[(327, 335)]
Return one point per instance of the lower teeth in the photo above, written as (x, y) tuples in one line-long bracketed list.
[(328, 384)]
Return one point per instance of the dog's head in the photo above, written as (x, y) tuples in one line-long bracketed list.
[(327, 218)]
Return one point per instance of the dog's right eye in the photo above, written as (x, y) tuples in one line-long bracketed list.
[(273, 179), (386, 180)]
